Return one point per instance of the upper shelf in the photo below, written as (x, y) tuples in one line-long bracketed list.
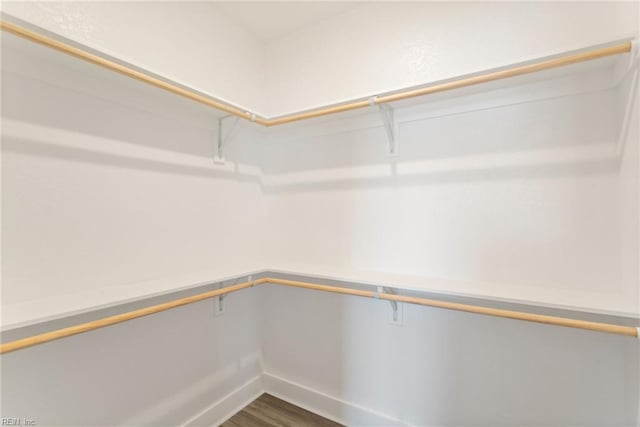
[(493, 75)]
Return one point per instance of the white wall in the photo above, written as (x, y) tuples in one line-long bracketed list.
[(188, 42), (630, 212), (370, 48), (109, 191), (385, 46), (349, 228), (519, 202), (629, 181)]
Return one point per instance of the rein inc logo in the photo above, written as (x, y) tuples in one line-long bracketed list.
[(15, 421)]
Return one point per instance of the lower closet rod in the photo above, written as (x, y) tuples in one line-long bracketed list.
[(469, 308), (118, 318)]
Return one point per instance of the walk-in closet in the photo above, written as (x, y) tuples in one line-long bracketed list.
[(255, 214)]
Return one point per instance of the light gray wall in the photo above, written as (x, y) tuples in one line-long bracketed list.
[(445, 368), (439, 368), (157, 370)]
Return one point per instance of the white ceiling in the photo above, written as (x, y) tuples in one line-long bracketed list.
[(268, 21)]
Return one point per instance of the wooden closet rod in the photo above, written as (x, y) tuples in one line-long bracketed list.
[(458, 83), (323, 111), (118, 318), (469, 308), (122, 69)]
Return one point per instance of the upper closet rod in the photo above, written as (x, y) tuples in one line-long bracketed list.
[(353, 105), (123, 69), (469, 308), (486, 77)]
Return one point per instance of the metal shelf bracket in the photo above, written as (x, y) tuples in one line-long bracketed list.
[(632, 69), (223, 138), (218, 307), (390, 124), (394, 304)]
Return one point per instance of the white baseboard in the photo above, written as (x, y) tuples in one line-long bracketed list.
[(229, 405), (330, 407)]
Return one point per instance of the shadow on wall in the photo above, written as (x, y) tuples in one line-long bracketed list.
[(34, 147), (562, 136), (57, 111), (389, 177), (121, 118)]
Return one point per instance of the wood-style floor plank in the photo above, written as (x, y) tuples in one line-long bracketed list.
[(269, 411)]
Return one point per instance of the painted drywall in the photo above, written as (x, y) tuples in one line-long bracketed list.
[(178, 367), (441, 368), (519, 199), (634, 135), (109, 190), (334, 354), (630, 213), (356, 50), (93, 178), (269, 21), (337, 205), (629, 181), (192, 43), (384, 46)]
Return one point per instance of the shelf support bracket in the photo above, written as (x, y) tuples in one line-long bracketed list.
[(390, 125), (394, 304), (631, 98), (223, 138), (218, 308)]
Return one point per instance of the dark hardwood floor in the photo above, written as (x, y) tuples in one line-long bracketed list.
[(269, 411)]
